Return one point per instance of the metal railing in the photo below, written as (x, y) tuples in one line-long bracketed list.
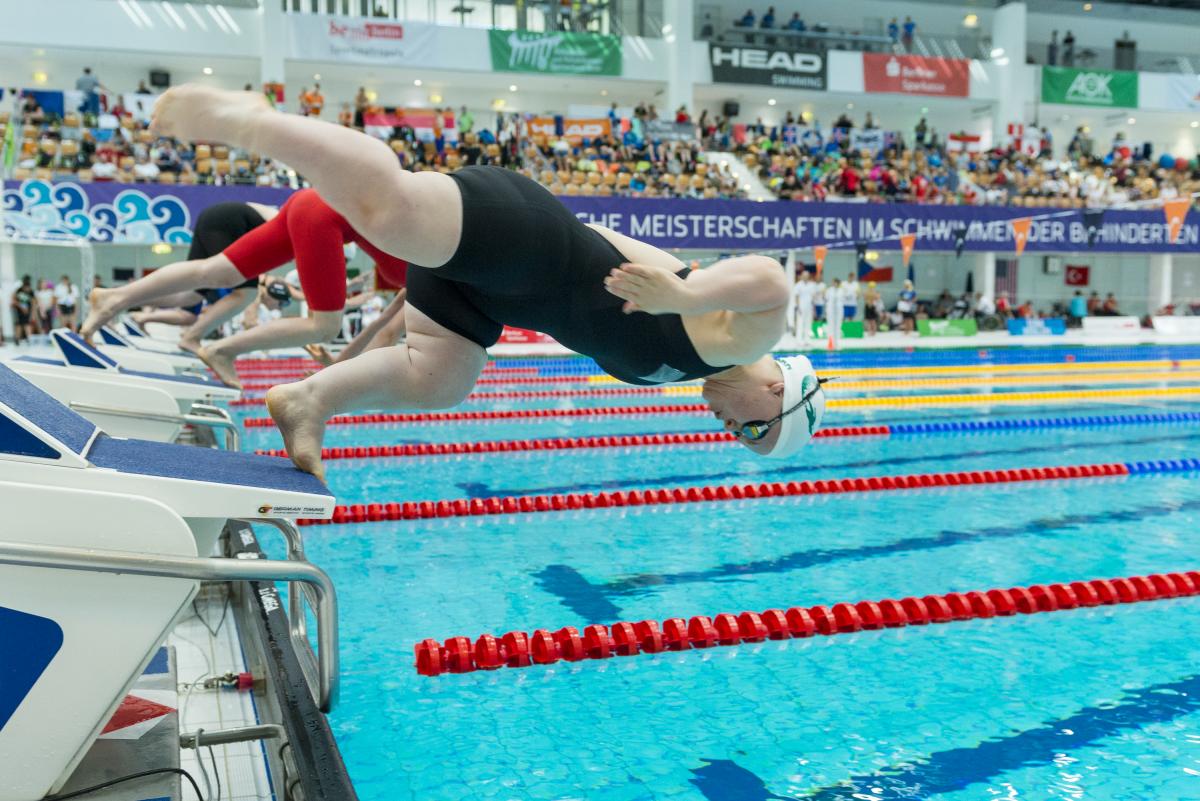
[(318, 588), (297, 619), (202, 414)]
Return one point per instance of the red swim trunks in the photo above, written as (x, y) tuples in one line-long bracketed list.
[(310, 232)]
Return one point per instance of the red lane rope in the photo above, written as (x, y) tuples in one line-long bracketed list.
[(518, 649), (533, 394), (526, 504), (560, 443), (496, 414), (487, 380)]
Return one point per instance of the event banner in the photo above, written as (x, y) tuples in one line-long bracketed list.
[(916, 75), (1079, 87), (1183, 92), (1045, 326), (556, 52), (572, 129), (360, 40), (791, 69), (111, 212), (669, 131), (965, 327), (427, 125)]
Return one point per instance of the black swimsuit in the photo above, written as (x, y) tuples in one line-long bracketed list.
[(524, 260), (218, 227)]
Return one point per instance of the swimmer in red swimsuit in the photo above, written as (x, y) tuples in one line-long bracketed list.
[(489, 247), (306, 230)]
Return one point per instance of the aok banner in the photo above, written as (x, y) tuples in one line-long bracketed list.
[(361, 41), (573, 130), (555, 52), (1078, 87), (792, 69)]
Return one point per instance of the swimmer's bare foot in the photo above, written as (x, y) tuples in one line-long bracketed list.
[(102, 307), (190, 345), (195, 112), (320, 354), (302, 424), (220, 364)]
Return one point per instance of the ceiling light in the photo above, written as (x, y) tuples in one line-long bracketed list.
[(924, 109), (771, 102), (160, 248), (435, 98), (40, 77), (316, 76), (1132, 120), (971, 21), (372, 95), (499, 103), (39, 52), (417, 82), (1196, 123), (849, 105), (207, 70), (1087, 6), (512, 87), (997, 52), (604, 93)]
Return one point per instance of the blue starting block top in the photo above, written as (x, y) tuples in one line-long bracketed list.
[(78, 352), (43, 411)]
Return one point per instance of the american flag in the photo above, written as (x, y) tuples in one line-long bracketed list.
[(1006, 278)]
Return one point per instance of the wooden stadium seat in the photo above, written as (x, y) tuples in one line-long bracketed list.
[(188, 178), (29, 132), (698, 182), (221, 166), (564, 177), (397, 145), (594, 179), (623, 180), (43, 174), (204, 166), (572, 189), (220, 152), (69, 148), (610, 179), (145, 137), (4, 117), (578, 177), (606, 190), (22, 174), (167, 178), (493, 151), (241, 166), (547, 177), (203, 152), (557, 189), (124, 177), (587, 189), (84, 176), (72, 120), (49, 147), (126, 163), (127, 122), (701, 168)]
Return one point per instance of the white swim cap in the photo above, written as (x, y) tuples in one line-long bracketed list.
[(797, 428)]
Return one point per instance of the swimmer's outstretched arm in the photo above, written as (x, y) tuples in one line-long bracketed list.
[(746, 284)]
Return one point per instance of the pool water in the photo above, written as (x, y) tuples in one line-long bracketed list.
[(1102, 703)]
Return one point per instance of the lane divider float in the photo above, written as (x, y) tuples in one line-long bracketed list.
[(693, 390), (529, 504), (518, 649), (707, 437), (979, 399)]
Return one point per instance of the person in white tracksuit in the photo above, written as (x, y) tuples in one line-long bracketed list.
[(803, 294), (835, 309)]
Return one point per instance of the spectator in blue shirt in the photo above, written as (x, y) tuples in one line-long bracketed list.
[(910, 28), (893, 30), (1078, 308), (768, 20), (795, 23), (747, 20)]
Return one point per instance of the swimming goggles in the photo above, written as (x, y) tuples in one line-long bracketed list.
[(755, 430)]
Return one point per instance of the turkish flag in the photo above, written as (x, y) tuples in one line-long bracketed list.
[(1076, 275)]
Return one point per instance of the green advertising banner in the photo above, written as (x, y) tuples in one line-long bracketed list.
[(851, 329), (1078, 87), (947, 328), (555, 52)]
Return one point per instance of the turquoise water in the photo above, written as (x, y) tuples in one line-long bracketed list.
[(1090, 704)]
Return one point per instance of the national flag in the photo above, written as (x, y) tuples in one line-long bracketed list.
[(1077, 275)]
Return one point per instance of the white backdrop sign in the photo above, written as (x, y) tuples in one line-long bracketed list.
[(361, 40)]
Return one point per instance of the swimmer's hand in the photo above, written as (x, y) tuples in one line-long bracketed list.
[(654, 290)]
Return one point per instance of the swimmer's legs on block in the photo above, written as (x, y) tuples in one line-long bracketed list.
[(413, 216), (433, 369), (213, 317), (286, 332), (105, 303)]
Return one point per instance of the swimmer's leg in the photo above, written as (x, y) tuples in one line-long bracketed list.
[(382, 333), (214, 316), (287, 332), (434, 369), (414, 216), (182, 276), (179, 317)]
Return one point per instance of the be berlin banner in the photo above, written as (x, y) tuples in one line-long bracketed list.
[(149, 213)]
